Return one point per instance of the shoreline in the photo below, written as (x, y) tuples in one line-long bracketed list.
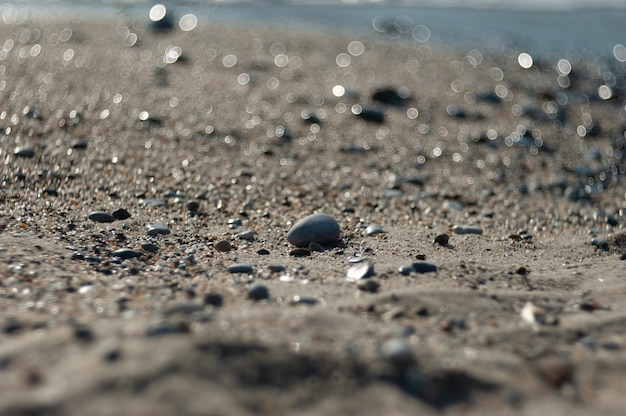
[(150, 181), (542, 32)]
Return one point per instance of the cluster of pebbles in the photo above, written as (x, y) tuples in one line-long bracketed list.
[(224, 180)]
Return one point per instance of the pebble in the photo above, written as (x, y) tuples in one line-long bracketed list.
[(467, 229), (368, 285), (240, 268), (374, 229), (423, 267), (303, 300), (79, 144), (263, 252), (150, 247), (24, 151), (622, 257), (442, 239), (213, 299), (125, 253), (360, 271), (193, 205), (258, 291), (183, 308), (371, 115), (246, 235), (406, 270), (318, 228), (155, 229), (599, 242), (222, 245), (300, 252), (121, 214), (389, 96), (234, 223), (276, 268), (99, 216)]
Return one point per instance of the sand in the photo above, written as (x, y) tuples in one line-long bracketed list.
[(526, 318)]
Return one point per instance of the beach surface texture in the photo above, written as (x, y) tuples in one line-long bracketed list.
[(150, 179)]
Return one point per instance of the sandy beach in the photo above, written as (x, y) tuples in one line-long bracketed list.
[(149, 180)]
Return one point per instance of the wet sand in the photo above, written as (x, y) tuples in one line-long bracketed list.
[(527, 317)]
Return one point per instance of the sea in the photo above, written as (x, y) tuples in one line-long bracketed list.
[(594, 28)]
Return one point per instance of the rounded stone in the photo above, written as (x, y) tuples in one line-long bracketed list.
[(155, 229), (99, 216), (125, 253), (241, 268), (24, 151), (258, 292), (222, 245), (467, 229), (316, 228), (193, 205), (246, 235), (360, 271), (423, 267), (150, 247)]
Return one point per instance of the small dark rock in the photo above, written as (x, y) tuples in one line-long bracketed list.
[(442, 239), (222, 245), (371, 115), (422, 267), (121, 214), (24, 151), (389, 96), (166, 329), (156, 229), (99, 216), (300, 252), (125, 253), (263, 252), (84, 334), (258, 291), (240, 268), (150, 247), (193, 205), (368, 285), (213, 299)]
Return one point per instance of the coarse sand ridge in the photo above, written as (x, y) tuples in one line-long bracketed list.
[(226, 137)]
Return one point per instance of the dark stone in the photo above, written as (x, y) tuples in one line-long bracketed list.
[(422, 267), (389, 96), (258, 292), (99, 216), (193, 205), (240, 268), (125, 253), (300, 252), (121, 214), (310, 118), (372, 115), (316, 228), (24, 151), (263, 252), (155, 229), (213, 299), (151, 247)]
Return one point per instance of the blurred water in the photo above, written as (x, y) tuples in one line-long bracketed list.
[(564, 27)]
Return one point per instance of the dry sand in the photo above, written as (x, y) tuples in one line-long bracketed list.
[(86, 333)]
